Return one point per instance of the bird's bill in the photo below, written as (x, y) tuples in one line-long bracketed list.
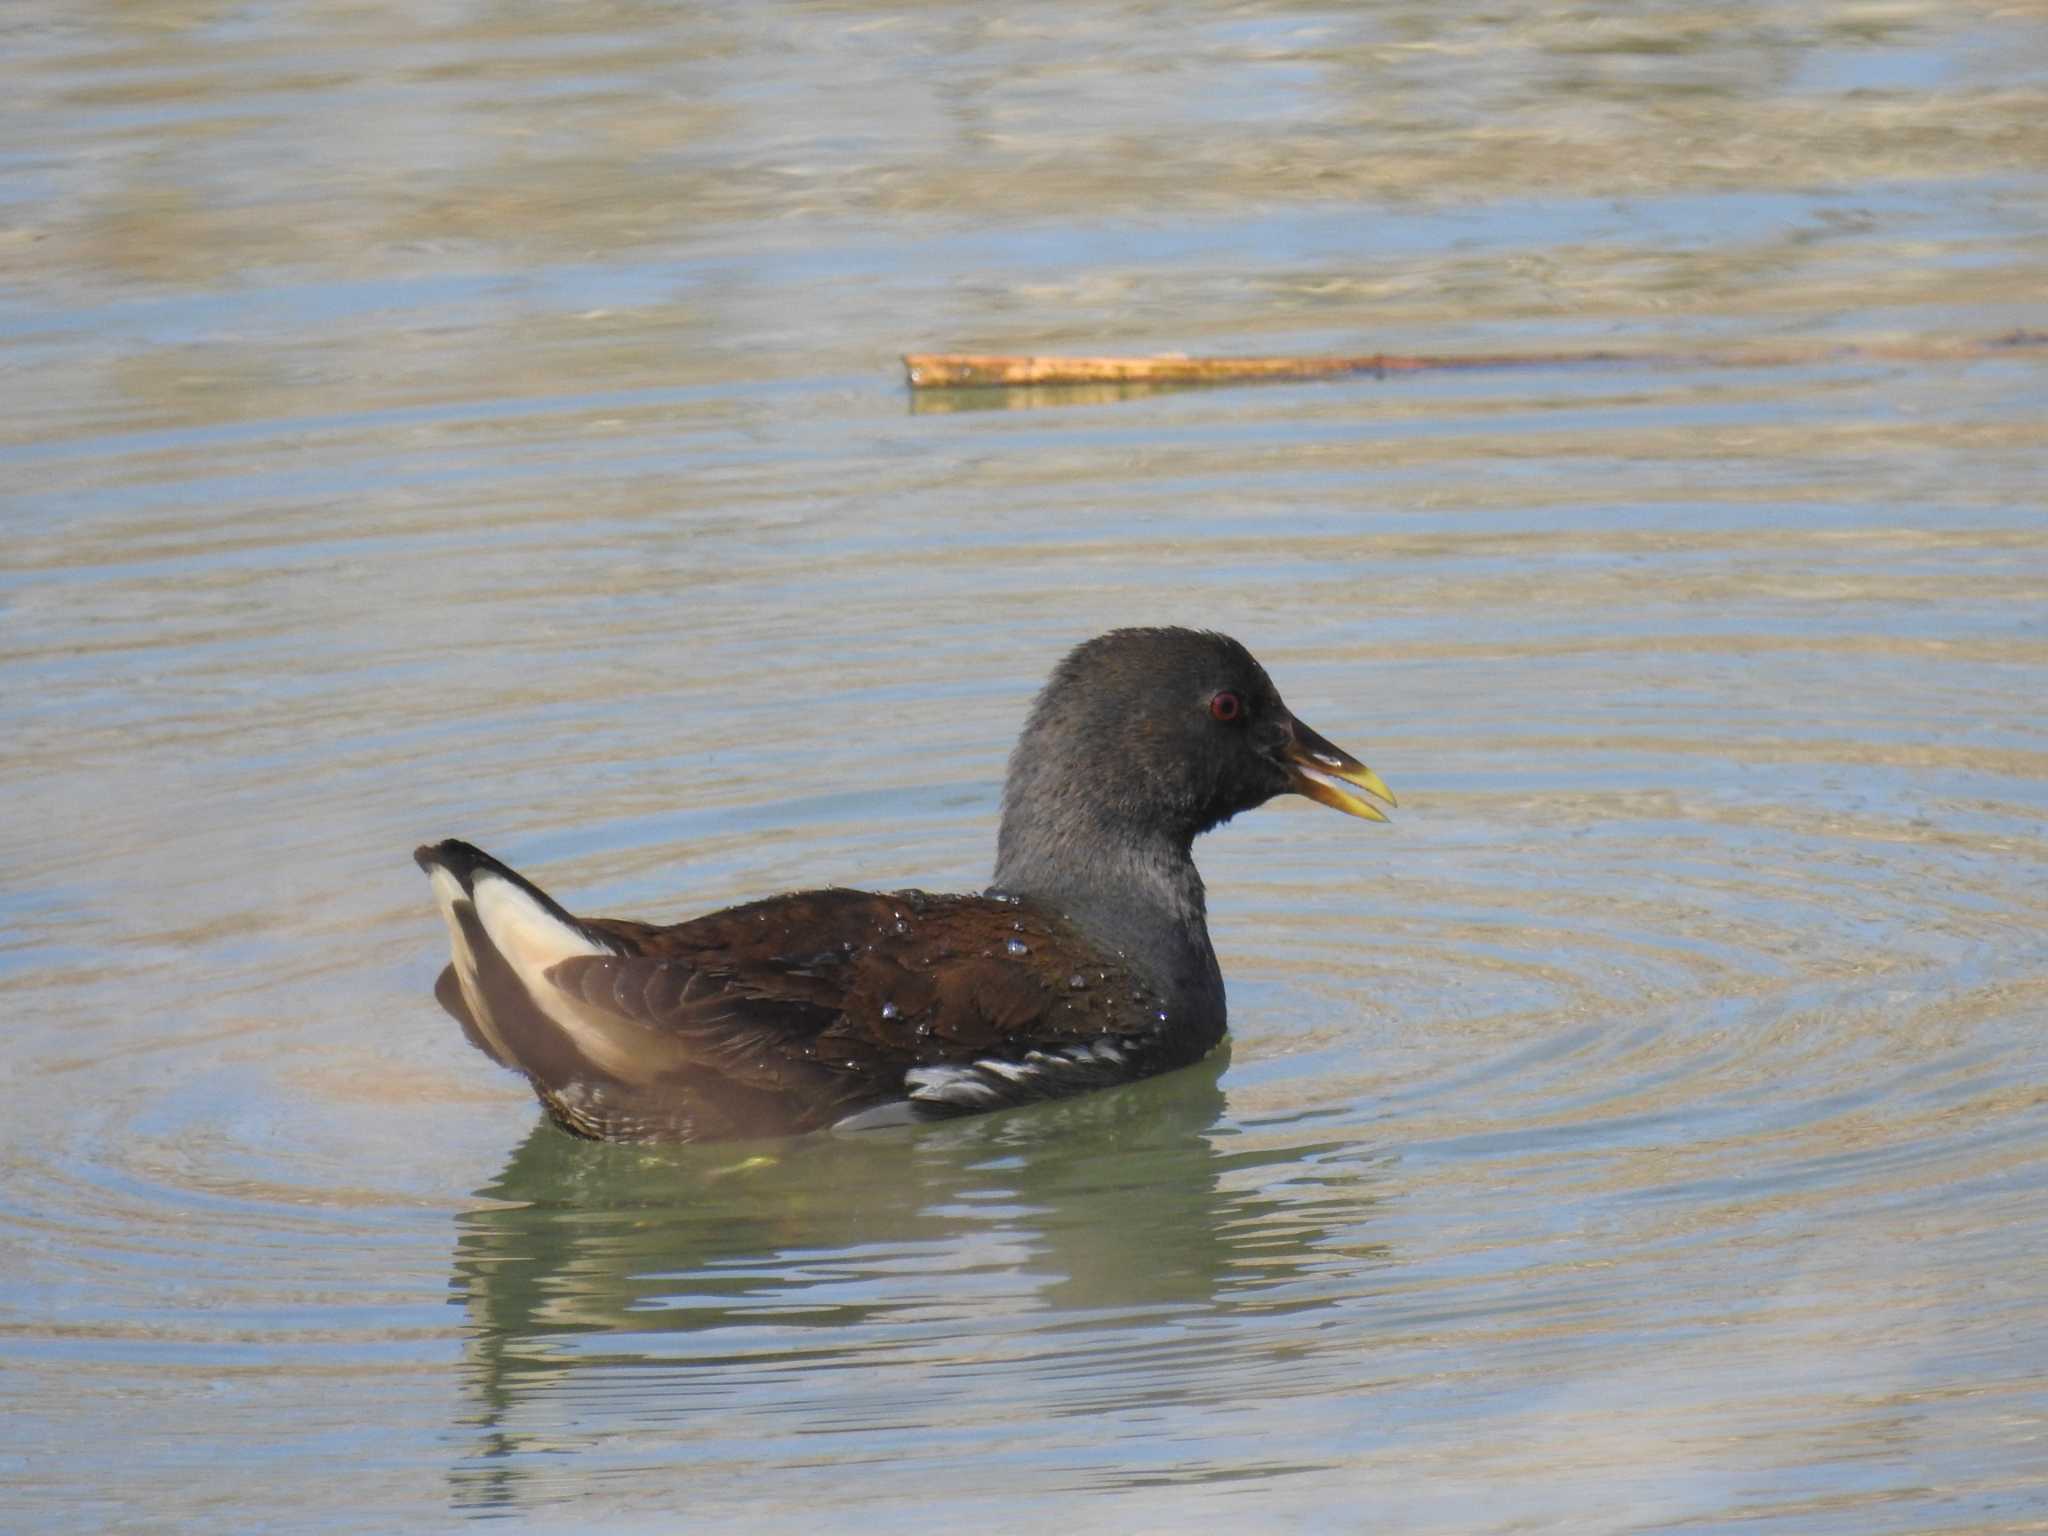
[(1326, 772)]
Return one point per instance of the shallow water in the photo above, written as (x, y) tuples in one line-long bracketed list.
[(483, 420)]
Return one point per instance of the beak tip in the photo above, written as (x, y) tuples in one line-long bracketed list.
[(1331, 776)]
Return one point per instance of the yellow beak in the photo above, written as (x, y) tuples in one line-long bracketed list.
[(1326, 772)]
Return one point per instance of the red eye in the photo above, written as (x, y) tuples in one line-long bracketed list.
[(1226, 706)]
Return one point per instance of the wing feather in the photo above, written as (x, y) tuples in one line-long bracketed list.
[(786, 1014)]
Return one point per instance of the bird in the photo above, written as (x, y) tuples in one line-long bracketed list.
[(1085, 963)]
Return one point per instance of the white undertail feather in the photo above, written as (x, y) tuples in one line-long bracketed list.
[(531, 940), (448, 896)]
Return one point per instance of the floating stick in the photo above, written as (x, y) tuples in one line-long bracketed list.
[(968, 370)]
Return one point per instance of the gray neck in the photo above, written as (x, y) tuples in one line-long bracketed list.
[(1138, 895)]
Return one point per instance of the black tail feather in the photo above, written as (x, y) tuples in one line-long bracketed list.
[(465, 861), (460, 859)]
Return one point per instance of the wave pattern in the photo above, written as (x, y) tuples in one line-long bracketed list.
[(426, 422)]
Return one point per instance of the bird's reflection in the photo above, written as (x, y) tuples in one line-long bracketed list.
[(597, 1261)]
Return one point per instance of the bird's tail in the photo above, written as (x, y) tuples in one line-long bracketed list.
[(505, 934)]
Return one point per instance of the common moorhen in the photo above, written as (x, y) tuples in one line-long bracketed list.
[(1087, 962)]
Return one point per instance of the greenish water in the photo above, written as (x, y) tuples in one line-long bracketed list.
[(484, 420)]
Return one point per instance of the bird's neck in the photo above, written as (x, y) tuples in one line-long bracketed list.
[(1139, 896)]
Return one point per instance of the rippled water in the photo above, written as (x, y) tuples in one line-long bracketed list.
[(484, 419)]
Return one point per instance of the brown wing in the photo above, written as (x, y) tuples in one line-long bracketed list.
[(828, 1001)]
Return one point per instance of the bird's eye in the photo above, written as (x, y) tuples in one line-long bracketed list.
[(1226, 706)]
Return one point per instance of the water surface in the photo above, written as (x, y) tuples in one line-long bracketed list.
[(479, 419)]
